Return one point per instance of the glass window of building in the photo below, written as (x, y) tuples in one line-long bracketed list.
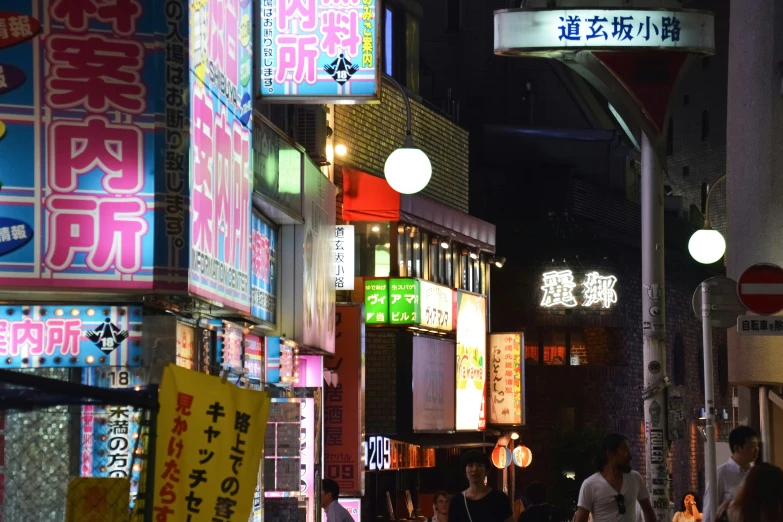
[(555, 348), (425, 256), (372, 249), (531, 349)]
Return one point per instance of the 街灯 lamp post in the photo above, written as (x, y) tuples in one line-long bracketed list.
[(707, 245), (407, 169)]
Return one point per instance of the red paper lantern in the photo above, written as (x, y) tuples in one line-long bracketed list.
[(501, 457), (523, 456)]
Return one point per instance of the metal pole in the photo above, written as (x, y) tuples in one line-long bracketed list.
[(654, 331), (765, 424), (710, 470)]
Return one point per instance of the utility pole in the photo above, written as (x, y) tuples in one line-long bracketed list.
[(654, 331)]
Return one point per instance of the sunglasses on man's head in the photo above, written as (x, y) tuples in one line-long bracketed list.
[(620, 504)]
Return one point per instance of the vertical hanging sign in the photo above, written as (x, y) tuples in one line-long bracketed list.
[(319, 50), (343, 257)]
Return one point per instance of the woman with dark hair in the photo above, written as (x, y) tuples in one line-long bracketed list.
[(689, 510), (479, 503), (440, 505), (760, 497)]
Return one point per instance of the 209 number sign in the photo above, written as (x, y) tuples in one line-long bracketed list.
[(378, 453)]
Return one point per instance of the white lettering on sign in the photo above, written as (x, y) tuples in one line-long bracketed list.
[(559, 286), (437, 305), (552, 30), (378, 453)]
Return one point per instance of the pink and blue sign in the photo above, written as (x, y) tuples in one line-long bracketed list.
[(319, 49), (221, 183), (60, 336), (79, 147), (221, 51), (263, 281)]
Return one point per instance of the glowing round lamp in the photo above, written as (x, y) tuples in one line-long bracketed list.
[(501, 457), (707, 246), (523, 457), (408, 169)]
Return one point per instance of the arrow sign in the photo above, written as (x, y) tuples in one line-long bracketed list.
[(760, 288)]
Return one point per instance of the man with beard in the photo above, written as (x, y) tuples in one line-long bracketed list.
[(611, 494)]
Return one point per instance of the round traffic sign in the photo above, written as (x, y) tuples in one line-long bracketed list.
[(760, 288)]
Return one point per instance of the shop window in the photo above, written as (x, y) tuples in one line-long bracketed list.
[(555, 349), (372, 249), (679, 360), (401, 45), (531, 349), (578, 352)]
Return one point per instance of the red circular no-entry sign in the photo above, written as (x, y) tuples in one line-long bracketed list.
[(760, 288)]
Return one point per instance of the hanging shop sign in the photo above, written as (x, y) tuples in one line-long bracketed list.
[(311, 373), (319, 296), (471, 361), (289, 362), (545, 31), (376, 301), (437, 306), (559, 289), (433, 384), (221, 185), (207, 429), (384, 453), (506, 378), (343, 403), (319, 51), (263, 278), (254, 360), (277, 167), (62, 336), (110, 434), (343, 257), (221, 52), (187, 349), (231, 346), (79, 201), (410, 301), (272, 347)]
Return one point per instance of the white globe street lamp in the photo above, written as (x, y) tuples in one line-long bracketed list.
[(707, 246), (407, 169)]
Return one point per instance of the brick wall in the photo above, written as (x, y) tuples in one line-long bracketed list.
[(372, 132), (380, 347), (605, 392), (702, 87)]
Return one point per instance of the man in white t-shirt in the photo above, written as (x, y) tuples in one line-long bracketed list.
[(611, 494)]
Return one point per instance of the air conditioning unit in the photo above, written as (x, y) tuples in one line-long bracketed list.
[(310, 131)]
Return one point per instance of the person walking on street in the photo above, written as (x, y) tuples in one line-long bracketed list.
[(744, 443), (539, 510), (760, 497), (479, 503), (611, 494), (440, 504), (689, 510), (330, 491)]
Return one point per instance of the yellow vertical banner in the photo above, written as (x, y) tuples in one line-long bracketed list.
[(210, 441), (97, 500)]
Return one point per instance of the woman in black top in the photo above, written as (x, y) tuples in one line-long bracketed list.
[(479, 503)]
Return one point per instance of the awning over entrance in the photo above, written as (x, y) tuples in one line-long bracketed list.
[(370, 198)]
